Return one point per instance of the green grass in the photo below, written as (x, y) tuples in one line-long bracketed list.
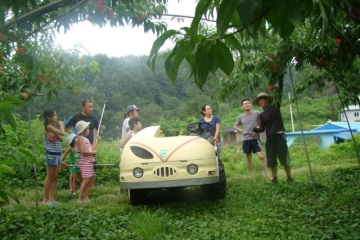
[(252, 209)]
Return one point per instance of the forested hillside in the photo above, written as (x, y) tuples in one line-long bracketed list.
[(128, 80)]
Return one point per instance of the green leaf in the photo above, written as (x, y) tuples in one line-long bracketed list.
[(157, 45), (8, 162), (213, 61), (28, 154), (226, 10), (225, 58), (201, 68), (278, 6), (233, 42), (6, 169), (176, 61), (168, 63), (4, 195), (293, 12), (201, 8), (246, 10)]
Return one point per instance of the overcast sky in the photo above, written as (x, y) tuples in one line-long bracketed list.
[(122, 41)]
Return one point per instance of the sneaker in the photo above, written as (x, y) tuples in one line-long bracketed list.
[(274, 181), (290, 180)]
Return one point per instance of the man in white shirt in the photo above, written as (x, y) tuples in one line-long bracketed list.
[(131, 112)]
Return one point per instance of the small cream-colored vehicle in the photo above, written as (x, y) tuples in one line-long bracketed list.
[(150, 162)]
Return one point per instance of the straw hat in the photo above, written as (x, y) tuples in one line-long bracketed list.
[(262, 95), (70, 138), (81, 126)]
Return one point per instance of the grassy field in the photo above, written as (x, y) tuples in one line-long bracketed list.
[(321, 205)]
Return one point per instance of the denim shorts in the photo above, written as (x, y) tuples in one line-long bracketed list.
[(53, 160)]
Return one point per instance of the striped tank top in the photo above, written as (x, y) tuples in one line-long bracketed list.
[(86, 159), (52, 147)]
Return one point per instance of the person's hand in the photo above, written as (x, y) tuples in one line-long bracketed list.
[(94, 151), (60, 123), (215, 139)]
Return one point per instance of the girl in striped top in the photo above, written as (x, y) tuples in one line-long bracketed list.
[(53, 139), (87, 159)]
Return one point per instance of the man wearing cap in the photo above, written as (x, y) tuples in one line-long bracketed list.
[(271, 121), (131, 112), (85, 115)]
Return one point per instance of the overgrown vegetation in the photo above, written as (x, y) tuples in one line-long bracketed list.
[(252, 209)]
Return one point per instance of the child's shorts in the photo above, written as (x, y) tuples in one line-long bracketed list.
[(53, 160)]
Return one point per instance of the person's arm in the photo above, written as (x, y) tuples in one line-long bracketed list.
[(125, 140), (68, 150), (82, 150), (260, 127), (237, 128), (237, 123), (68, 123), (58, 132), (217, 132)]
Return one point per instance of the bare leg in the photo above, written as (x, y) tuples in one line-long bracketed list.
[(92, 181), (287, 170), (84, 185), (274, 172), (71, 183), (86, 193), (75, 179), (263, 163), (50, 184), (53, 185), (249, 164)]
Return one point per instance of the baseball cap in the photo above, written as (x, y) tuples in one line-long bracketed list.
[(131, 108)]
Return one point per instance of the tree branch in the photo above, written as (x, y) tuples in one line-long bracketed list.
[(39, 11)]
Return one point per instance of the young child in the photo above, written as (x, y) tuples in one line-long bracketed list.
[(87, 159), (52, 137), (135, 127), (74, 160)]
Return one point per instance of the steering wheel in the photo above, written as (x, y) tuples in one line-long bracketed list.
[(199, 129)]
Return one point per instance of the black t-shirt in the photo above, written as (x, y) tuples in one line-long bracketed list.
[(94, 124)]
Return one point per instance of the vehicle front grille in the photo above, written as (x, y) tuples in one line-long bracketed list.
[(165, 172)]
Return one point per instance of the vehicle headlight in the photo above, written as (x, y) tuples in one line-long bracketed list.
[(138, 172), (192, 169)]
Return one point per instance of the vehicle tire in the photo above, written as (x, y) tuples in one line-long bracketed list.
[(217, 190), (137, 196)]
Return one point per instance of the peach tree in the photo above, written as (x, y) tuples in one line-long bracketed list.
[(255, 42)]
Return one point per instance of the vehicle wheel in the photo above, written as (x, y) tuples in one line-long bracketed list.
[(137, 196), (217, 190)]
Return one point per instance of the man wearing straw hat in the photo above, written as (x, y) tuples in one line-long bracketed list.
[(270, 119)]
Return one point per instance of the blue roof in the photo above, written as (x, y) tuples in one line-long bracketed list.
[(339, 125), (344, 136)]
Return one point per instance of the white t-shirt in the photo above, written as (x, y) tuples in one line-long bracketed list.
[(125, 126)]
